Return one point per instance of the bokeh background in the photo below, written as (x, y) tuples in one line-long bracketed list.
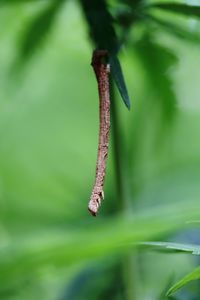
[(50, 247)]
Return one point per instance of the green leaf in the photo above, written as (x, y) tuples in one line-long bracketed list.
[(22, 256), (18, 1), (162, 295), (118, 77), (194, 275), (104, 36), (8, 2), (100, 24), (184, 9), (171, 247), (103, 277), (175, 29), (157, 60), (38, 29)]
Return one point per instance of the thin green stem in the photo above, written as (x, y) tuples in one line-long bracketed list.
[(122, 194), (115, 131)]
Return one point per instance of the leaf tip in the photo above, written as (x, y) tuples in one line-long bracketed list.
[(128, 105)]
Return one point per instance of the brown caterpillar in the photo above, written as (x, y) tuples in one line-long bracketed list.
[(102, 70)]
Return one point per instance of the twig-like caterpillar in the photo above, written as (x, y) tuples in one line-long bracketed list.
[(102, 70)]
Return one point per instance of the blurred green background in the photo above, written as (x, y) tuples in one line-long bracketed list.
[(50, 247)]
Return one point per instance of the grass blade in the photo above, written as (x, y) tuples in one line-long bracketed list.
[(194, 275), (172, 247)]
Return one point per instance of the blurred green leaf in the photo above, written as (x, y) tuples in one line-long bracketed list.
[(171, 247), (100, 25), (20, 1), (175, 29), (156, 61), (60, 248), (194, 275), (165, 289), (38, 29), (184, 9), (171, 298), (104, 277), (118, 77)]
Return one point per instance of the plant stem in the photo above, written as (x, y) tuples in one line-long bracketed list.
[(117, 152), (122, 193)]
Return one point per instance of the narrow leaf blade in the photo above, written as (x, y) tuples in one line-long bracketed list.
[(194, 275), (118, 77), (184, 9), (172, 247)]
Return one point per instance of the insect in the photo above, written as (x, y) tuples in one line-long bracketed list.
[(102, 71)]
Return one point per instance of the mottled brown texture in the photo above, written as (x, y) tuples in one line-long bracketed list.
[(102, 70)]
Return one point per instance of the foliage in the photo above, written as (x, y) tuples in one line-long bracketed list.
[(194, 275)]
